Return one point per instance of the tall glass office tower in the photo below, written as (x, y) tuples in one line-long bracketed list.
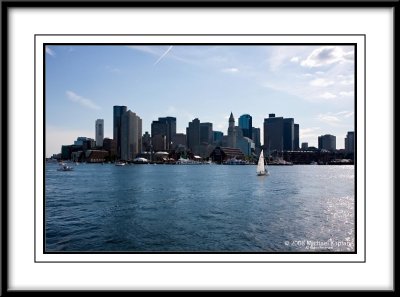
[(118, 112)]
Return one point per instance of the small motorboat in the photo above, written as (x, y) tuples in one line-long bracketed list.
[(65, 167)]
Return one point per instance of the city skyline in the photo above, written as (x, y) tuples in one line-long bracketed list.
[(312, 84)]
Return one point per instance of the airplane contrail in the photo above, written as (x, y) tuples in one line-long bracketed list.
[(163, 55)]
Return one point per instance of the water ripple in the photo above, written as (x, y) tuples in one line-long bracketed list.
[(199, 208)]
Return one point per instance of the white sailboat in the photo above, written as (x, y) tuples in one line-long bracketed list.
[(261, 167)]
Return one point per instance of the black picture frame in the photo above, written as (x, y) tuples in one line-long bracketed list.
[(7, 6)]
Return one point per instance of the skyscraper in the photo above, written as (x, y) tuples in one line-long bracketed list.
[(246, 124), (256, 136), (206, 133), (171, 129), (279, 133), (164, 127), (158, 135), (193, 134), (288, 134), (99, 132), (131, 135), (118, 112), (327, 142), (146, 142), (296, 141), (349, 142), (217, 136), (273, 133), (231, 132)]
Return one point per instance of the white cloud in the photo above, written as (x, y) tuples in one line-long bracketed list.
[(326, 55), (345, 113), (350, 114), (81, 100), (281, 55), (230, 70), (347, 82), (327, 95), (312, 84), (309, 132), (50, 51), (328, 119), (346, 94), (335, 119), (320, 82)]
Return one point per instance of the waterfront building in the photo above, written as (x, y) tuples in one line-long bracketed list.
[(221, 154), (246, 124), (179, 140), (232, 132), (304, 146), (118, 111), (95, 156), (224, 141), (131, 135), (146, 142), (67, 150), (159, 142), (204, 150), (206, 133), (165, 127), (77, 156), (80, 144), (159, 135), (193, 134), (246, 145), (56, 156), (99, 132), (256, 137), (273, 133), (236, 138), (279, 133), (217, 137), (296, 140), (110, 146), (327, 142), (288, 134), (170, 128), (85, 143), (349, 142)]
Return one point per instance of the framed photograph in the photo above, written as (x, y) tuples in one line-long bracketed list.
[(184, 148)]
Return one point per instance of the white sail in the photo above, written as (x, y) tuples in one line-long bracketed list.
[(261, 166)]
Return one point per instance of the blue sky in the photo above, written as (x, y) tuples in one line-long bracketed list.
[(312, 84)]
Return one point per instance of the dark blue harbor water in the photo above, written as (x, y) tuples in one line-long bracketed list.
[(199, 208)]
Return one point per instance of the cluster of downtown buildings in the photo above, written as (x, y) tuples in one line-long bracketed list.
[(200, 141)]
